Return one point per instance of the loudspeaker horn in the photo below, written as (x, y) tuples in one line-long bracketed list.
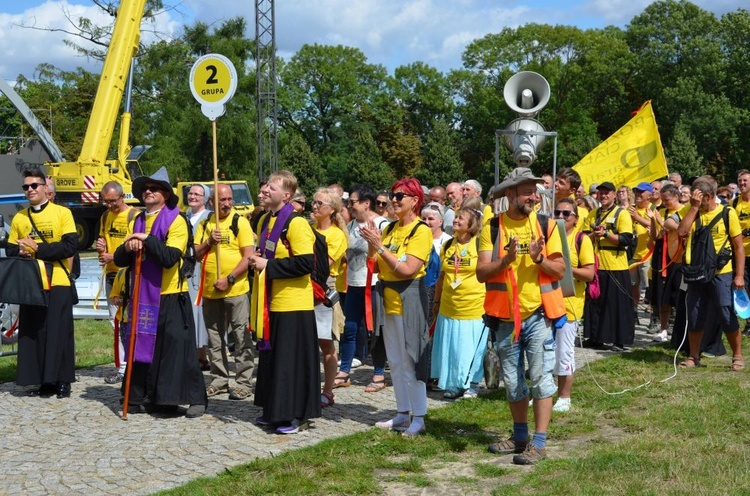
[(526, 93)]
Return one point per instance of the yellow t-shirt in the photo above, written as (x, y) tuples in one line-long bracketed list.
[(743, 214), (642, 233), (54, 221), (718, 233), (526, 271), (610, 258), (177, 237), (574, 304), (337, 242), (395, 240), (230, 253), (114, 230), (465, 301), (294, 293)]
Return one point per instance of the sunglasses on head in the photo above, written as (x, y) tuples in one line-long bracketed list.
[(33, 186), (564, 213), (399, 196)]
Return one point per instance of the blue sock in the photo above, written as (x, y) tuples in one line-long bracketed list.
[(520, 431), (539, 440)]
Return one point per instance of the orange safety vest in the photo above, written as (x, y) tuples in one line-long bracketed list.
[(498, 301)]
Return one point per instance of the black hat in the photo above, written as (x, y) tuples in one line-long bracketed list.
[(607, 185), (160, 177)]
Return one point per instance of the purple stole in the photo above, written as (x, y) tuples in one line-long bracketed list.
[(147, 320), (268, 249)]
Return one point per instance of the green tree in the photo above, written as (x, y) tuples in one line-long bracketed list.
[(682, 154), (297, 157), (442, 159)]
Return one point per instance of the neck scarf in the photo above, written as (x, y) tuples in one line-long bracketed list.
[(146, 321)]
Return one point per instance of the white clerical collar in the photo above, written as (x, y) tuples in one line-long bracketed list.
[(38, 208), (148, 214)]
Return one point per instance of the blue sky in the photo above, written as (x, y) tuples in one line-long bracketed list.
[(389, 32)]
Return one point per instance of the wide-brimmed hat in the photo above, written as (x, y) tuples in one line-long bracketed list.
[(160, 177), (517, 176)]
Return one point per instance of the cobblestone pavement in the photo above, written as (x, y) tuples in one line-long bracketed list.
[(80, 445)]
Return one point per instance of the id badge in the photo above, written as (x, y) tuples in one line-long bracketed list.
[(270, 246), (456, 282)]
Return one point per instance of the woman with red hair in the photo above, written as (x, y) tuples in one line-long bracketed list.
[(402, 250)]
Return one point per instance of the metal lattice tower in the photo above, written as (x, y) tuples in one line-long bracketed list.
[(265, 63)]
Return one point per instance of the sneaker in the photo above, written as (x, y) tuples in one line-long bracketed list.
[(393, 425), (530, 455), (356, 363), (263, 422), (293, 428), (470, 393), (707, 354), (508, 446), (114, 378), (561, 405), (662, 337)]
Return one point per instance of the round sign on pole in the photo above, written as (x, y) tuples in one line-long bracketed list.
[(213, 81)]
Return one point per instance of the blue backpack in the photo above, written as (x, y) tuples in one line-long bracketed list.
[(432, 269)]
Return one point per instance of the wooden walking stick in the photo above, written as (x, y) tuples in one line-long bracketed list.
[(216, 195), (133, 321)]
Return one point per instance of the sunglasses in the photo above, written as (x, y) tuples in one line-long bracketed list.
[(382, 203), (318, 203), (153, 188), (351, 201), (300, 203), (724, 197), (564, 213), (33, 186), (399, 196)]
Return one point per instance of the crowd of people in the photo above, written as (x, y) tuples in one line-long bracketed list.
[(419, 279)]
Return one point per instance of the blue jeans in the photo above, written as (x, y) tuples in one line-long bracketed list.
[(538, 345), (354, 314)]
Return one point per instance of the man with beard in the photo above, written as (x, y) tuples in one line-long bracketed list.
[(522, 267), (610, 318)]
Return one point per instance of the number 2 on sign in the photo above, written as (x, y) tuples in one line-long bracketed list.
[(212, 78)]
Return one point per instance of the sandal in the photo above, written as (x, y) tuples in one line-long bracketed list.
[(690, 363), (375, 386), (213, 391), (738, 363), (326, 399), (343, 381)]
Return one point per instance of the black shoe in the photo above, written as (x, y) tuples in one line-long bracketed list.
[(165, 409), (593, 344), (63, 390), (45, 390), (619, 348), (195, 411), (135, 409)]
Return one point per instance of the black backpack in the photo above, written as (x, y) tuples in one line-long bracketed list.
[(705, 262), (234, 227), (188, 261), (321, 269)]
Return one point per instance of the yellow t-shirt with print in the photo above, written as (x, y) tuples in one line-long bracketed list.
[(610, 258), (177, 237), (526, 271), (574, 304), (395, 240), (230, 254), (54, 221), (114, 230), (291, 294), (642, 234), (466, 300), (337, 242), (718, 233), (743, 214)]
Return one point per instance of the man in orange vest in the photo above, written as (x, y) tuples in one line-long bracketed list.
[(520, 260)]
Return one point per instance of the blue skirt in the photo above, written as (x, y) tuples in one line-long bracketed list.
[(458, 350)]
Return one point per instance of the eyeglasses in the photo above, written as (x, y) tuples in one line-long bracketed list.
[(33, 186), (724, 197), (564, 213), (195, 194), (110, 202), (318, 203), (382, 203), (300, 203), (399, 196), (352, 201)]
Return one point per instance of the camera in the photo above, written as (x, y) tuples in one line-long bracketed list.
[(331, 298)]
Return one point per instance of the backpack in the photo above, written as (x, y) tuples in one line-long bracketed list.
[(321, 270), (188, 261), (390, 227), (432, 270), (630, 247), (593, 291), (495, 227), (705, 261), (234, 227)]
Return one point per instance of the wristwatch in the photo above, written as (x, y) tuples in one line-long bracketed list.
[(541, 259), (381, 250), (231, 279)]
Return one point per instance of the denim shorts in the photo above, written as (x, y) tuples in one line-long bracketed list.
[(537, 345)]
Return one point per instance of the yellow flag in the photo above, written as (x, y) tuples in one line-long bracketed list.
[(258, 303), (632, 155)]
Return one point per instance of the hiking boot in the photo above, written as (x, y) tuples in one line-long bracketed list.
[(508, 446), (530, 455)]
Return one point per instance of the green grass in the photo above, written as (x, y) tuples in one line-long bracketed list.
[(94, 346), (664, 438)]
